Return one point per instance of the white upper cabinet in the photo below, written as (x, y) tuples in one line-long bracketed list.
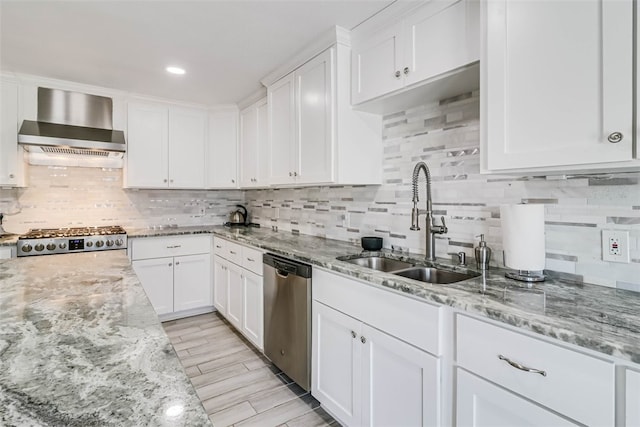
[(253, 145), (222, 168), (187, 139), (559, 98), (166, 146), (314, 135), (147, 146), (9, 151), (281, 101), (438, 37)]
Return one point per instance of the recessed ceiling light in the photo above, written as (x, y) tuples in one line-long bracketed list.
[(175, 70)]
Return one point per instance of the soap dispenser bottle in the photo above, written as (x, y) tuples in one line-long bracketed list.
[(483, 254)]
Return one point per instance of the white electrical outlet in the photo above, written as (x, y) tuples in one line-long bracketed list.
[(615, 246)]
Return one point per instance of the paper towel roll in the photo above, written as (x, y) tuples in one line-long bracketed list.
[(523, 236)]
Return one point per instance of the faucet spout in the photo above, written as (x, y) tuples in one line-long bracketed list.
[(431, 228)]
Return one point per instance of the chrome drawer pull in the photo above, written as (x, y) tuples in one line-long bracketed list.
[(173, 247), (251, 260), (232, 252), (522, 367)]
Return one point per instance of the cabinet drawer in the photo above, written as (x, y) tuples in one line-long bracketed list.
[(220, 247), (412, 321), (252, 260), (576, 385), (233, 252), (169, 246)]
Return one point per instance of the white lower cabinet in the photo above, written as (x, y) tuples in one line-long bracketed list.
[(252, 308), (632, 395), (175, 273), (238, 288), (235, 304), (364, 375), (156, 276), (481, 404), (544, 378)]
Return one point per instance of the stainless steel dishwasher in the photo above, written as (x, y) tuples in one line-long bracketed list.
[(287, 317)]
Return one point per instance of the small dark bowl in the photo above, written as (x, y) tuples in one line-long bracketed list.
[(371, 243)]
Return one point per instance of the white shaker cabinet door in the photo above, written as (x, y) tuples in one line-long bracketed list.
[(220, 285), (377, 63), (282, 155), (192, 282), (156, 276), (187, 136), (8, 133), (235, 296), (249, 146), (632, 418), (556, 94), (439, 37), (222, 171), (337, 372), (314, 101), (481, 404), (147, 146), (252, 312), (400, 383)]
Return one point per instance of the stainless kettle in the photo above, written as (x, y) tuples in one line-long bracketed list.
[(238, 217)]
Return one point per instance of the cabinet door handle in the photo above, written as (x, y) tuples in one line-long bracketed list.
[(233, 181), (170, 264), (522, 367), (397, 74), (615, 137), (363, 340), (218, 246), (164, 180), (173, 247), (406, 71), (11, 176), (177, 262), (290, 173), (232, 253), (251, 260), (353, 334)]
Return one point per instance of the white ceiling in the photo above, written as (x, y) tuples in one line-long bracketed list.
[(226, 47)]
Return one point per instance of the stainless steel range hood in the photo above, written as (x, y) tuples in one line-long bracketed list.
[(73, 129)]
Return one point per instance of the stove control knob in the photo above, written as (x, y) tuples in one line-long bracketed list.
[(89, 244), (26, 248), (51, 246), (119, 242), (99, 243), (109, 242), (39, 247), (62, 245)]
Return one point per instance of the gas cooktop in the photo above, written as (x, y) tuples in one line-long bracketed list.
[(47, 241)]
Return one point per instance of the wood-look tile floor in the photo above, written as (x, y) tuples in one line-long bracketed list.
[(237, 385)]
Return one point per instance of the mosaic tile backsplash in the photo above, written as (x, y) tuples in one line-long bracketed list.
[(446, 136), (72, 197)]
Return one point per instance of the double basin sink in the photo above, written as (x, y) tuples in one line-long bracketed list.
[(407, 269)]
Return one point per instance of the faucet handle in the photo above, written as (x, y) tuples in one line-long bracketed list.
[(444, 225)]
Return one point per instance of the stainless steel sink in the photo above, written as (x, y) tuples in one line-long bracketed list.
[(434, 275), (377, 263)]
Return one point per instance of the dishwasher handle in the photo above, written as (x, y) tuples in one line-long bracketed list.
[(284, 267)]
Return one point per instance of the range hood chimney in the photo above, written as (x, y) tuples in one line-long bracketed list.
[(73, 129)]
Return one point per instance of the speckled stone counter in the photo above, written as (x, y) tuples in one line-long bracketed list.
[(598, 318), (9, 240), (80, 345)]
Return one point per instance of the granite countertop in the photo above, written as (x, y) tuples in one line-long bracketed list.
[(595, 317), (8, 240), (80, 345)]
